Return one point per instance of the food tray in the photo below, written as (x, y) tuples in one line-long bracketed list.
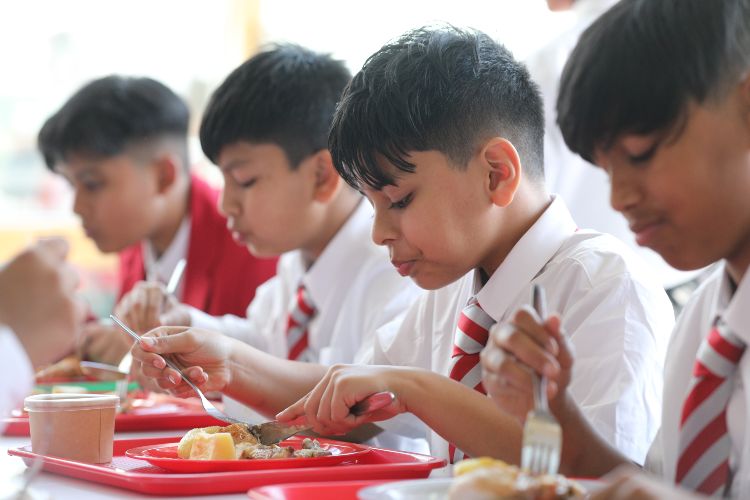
[(138, 475)]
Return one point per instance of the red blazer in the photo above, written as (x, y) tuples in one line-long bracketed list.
[(220, 276)]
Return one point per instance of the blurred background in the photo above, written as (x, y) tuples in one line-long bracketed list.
[(48, 49)]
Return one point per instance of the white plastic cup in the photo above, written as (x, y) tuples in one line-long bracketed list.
[(78, 427)]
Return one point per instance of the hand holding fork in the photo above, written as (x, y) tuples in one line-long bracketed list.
[(542, 436)]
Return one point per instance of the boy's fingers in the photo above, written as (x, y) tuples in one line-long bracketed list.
[(528, 321), (527, 351), (169, 340), (565, 355), (297, 409)]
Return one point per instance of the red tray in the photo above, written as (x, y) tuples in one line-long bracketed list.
[(340, 490), (147, 419), (138, 475)]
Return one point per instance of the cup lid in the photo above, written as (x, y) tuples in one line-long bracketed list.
[(52, 402)]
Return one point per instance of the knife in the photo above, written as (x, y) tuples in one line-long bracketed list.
[(272, 432)]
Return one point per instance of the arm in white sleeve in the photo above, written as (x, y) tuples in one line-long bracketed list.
[(16, 372), (620, 344)]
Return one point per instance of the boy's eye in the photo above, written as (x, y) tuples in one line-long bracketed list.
[(644, 156), (92, 186), (246, 183), (402, 203)]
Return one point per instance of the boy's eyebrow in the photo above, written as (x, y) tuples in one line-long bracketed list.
[(239, 162)]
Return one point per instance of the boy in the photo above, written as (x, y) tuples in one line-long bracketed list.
[(432, 130), (266, 127), (121, 142), (676, 145)]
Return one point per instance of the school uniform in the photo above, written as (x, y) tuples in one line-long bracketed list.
[(352, 285), (616, 314), (16, 373), (354, 289), (220, 277), (715, 299)]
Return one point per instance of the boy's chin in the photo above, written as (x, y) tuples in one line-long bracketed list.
[(432, 282), (262, 252)]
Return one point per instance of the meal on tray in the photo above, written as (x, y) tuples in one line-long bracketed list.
[(487, 478), (68, 368), (235, 442)]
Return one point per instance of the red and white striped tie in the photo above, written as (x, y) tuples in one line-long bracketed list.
[(703, 463), (296, 326), (471, 336)]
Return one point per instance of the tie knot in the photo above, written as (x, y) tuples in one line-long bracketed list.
[(304, 303), (473, 328), (720, 352)]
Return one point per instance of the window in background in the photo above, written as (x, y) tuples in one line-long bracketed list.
[(51, 48)]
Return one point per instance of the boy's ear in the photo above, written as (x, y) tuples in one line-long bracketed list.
[(327, 179), (503, 170), (167, 169)]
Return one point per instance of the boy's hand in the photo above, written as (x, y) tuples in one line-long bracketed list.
[(105, 342), (148, 305), (630, 484), (517, 349), (204, 356), (326, 407), (37, 300)]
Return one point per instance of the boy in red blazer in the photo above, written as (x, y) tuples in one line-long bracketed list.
[(121, 142)]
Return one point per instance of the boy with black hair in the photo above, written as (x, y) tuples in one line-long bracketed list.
[(442, 130), (266, 127), (668, 118), (121, 142)]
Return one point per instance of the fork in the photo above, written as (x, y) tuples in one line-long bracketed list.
[(207, 405), (542, 436), (267, 432)]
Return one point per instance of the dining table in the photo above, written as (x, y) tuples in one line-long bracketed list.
[(46, 485)]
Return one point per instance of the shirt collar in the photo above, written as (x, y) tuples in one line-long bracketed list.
[(735, 307), (342, 256), (161, 269), (527, 258)]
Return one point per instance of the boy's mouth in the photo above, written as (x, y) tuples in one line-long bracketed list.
[(645, 231), (405, 267)]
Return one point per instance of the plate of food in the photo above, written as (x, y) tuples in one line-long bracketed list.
[(484, 478), (233, 448)]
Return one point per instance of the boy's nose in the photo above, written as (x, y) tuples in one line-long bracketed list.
[(227, 207), (78, 204), (383, 228), (624, 191)]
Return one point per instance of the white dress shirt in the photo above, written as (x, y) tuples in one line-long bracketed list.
[(616, 314), (584, 188), (16, 373), (355, 290), (160, 269), (353, 286), (713, 299)]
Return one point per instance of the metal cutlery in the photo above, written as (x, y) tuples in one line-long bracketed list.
[(273, 432), (542, 436), (267, 432)]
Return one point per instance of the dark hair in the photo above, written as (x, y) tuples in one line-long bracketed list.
[(109, 114), (444, 89), (636, 68), (285, 95)]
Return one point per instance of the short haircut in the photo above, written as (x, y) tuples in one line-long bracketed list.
[(110, 114), (285, 95), (435, 88), (636, 69)]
